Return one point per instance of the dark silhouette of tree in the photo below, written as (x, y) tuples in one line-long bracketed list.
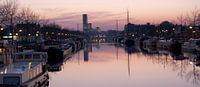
[(192, 17), (10, 14), (166, 29), (8, 11), (181, 19), (27, 15), (198, 20)]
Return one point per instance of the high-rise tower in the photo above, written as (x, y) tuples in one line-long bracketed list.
[(85, 22)]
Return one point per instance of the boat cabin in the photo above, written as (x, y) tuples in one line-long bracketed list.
[(51, 43), (30, 57)]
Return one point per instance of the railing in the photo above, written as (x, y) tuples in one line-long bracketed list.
[(31, 73)]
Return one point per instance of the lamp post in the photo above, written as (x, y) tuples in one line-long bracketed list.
[(1, 32), (27, 30), (2, 29)]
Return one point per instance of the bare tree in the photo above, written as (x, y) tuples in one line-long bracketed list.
[(181, 19), (198, 20), (192, 17), (44, 21), (27, 15), (8, 11), (3, 14)]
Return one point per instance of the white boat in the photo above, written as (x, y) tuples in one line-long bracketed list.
[(190, 56), (27, 70), (191, 46), (164, 44), (67, 50), (150, 45)]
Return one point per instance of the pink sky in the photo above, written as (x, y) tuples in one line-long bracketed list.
[(103, 13)]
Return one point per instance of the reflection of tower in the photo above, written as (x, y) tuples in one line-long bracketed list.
[(117, 54), (117, 27), (86, 54), (78, 58), (85, 23)]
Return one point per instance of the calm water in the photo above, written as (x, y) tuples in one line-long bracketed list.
[(108, 66)]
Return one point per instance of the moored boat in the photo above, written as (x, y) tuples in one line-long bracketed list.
[(150, 45), (67, 50), (191, 46), (27, 70)]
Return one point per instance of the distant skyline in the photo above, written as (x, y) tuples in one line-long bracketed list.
[(104, 13)]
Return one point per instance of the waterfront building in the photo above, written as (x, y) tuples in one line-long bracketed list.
[(133, 30)]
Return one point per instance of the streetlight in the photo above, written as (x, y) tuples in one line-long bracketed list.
[(2, 29), (190, 27), (20, 30), (37, 35), (194, 31)]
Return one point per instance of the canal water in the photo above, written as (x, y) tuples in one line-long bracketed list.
[(105, 65)]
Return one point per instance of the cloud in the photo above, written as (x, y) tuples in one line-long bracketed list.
[(103, 19), (67, 17), (52, 9)]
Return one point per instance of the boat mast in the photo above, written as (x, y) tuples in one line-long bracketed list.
[(128, 18), (129, 68)]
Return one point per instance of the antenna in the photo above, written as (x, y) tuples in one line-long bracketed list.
[(128, 19), (117, 25), (77, 27)]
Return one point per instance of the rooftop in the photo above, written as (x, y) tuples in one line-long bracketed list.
[(18, 68)]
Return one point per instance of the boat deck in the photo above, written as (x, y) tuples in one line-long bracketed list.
[(18, 68)]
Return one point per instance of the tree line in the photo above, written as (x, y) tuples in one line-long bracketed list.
[(24, 21), (192, 18)]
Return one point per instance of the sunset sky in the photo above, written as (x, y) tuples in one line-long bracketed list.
[(104, 13)]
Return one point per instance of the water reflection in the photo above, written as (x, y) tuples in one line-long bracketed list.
[(109, 65)]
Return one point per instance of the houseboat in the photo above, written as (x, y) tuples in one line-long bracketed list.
[(191, 45), (164, 44), (150, 45), (67, 50), (27, 70), (54, 51)]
